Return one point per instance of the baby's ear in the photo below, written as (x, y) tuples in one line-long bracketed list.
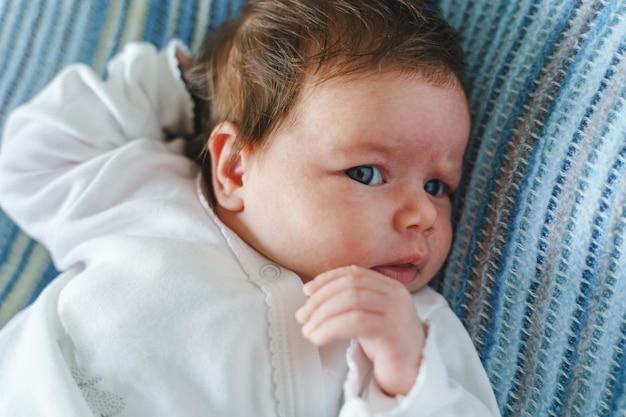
[(227, 172)]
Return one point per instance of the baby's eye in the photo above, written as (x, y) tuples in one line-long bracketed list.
[(435, 188), (366, 174)]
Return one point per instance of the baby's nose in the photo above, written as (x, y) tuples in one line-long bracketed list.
[(417, 211)]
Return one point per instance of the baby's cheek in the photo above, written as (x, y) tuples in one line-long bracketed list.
[(440, 246)]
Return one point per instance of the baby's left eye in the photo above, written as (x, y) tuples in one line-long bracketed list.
[(435, 188)]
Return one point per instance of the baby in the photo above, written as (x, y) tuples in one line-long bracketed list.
[(283, 272)]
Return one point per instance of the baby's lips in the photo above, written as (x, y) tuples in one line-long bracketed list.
[(403, 273)]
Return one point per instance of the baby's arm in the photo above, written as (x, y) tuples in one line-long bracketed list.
[(355, 302), (55, 147), (425, 370)]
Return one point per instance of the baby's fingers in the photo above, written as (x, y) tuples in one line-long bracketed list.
[(332, 283), (341, 302), (312, 286), (347, 325)]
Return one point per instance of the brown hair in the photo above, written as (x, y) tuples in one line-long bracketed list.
[(250, 71)]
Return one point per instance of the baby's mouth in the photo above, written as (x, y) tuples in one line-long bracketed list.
[(404, 273)]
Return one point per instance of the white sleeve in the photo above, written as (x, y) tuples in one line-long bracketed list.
[(51, 147), (451, 381)]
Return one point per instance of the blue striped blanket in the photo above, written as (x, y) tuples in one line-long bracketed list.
[(537, 270)]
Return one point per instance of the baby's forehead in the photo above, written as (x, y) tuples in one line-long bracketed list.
[(373, 104), (367, 97)]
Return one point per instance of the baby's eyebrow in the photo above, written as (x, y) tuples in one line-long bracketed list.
[(451, 174), (376, 146)]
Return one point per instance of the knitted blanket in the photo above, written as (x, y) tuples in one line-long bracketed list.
[(537, 270)]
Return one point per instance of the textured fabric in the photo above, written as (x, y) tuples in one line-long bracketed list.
[(37, 39), (537, 271)]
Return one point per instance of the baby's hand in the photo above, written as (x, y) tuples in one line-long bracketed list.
[(354, 302)]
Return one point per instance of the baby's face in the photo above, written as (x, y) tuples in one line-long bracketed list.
[(360, 175)]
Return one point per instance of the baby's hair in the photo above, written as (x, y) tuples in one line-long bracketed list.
[(251, 70)]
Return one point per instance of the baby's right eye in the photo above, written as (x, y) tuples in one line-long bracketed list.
[(366, 174)]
